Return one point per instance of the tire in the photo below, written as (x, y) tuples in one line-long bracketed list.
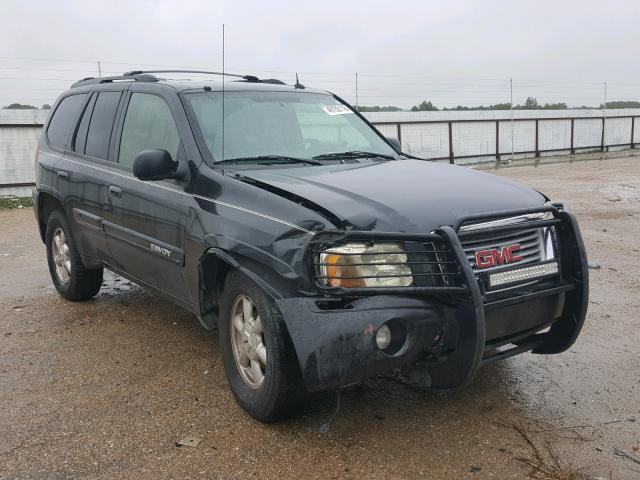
[(281, 387), (71, 278)]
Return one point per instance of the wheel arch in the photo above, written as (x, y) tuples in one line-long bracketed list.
[(216, 264), (46, 203)]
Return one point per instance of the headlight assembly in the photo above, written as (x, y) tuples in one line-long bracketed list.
[(362, 265)]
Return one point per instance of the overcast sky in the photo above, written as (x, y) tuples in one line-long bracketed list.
[(454, 52)]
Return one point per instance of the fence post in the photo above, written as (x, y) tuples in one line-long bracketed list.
[(451, 158), (357, 91), (399, 134), (511, 109), (604, 117), (497, 140), (537, 151), (573, 150), (633, 124)]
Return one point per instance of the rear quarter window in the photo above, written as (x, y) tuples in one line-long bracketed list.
[(64, 119)]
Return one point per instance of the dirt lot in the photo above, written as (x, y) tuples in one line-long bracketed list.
[(104, 389)]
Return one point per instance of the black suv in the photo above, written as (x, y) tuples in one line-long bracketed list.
[(321, 252)]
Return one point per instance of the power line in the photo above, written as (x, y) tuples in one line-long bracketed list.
[(46, 60)]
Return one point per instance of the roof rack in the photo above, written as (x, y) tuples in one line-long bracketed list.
[(249, 78), (143, 77), (147, 76), (273, 81)]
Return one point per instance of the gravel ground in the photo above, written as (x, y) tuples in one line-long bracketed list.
[(104, 389)]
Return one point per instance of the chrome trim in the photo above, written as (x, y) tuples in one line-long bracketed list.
[(217, 202), (503, 221)]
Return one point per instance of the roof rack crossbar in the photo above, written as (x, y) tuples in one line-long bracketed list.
[(250, 78)]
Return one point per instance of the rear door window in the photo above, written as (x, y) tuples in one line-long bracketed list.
[(63, 122), (81, 135), (148, 125), (101, 125)]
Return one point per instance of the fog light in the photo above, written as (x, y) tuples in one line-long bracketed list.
[(383, 337)]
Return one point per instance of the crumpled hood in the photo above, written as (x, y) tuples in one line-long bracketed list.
[(403, 196)]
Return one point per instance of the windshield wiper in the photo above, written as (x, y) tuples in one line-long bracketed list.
[(270, 159), (353, 154)]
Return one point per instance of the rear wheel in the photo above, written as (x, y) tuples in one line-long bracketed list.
[(259, 361), (71, 278)]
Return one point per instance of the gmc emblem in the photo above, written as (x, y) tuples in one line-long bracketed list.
[(495, 257)]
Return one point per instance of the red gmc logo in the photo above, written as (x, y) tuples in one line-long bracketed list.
[(495, 256)]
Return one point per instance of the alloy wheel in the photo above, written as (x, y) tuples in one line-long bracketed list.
[(61, 256), (247, 341)]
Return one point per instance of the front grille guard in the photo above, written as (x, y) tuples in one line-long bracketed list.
[(461, 281), (454, 280), (573, 282)]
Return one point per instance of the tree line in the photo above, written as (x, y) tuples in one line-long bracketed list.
[(21, 106), (531, 103)]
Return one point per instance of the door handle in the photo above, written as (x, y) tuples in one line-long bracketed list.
[(115, 191), (63, 174)]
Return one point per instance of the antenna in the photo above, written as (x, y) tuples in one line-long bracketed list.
[(298, 84), (223, 91)]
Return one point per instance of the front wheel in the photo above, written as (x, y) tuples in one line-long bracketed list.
[(259, 360), (71, 278)]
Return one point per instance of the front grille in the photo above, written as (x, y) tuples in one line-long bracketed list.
[(531, 241)]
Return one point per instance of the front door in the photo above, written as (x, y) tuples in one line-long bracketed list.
[(146, 229)]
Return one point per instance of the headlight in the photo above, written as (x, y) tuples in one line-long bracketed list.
[(359, 265)]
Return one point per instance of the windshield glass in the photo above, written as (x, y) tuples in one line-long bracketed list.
[(297, 125)]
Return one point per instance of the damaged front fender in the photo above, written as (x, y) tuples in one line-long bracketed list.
[(336, 346)]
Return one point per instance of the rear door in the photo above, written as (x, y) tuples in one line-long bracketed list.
[(89, 167), (145, 229)]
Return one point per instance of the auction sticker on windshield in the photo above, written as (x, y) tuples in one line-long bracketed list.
[(336, 109)]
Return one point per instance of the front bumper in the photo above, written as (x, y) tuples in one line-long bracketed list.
[(451, 331), (337, 346)]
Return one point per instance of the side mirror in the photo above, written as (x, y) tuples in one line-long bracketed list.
[(155, 165), (395, 142)]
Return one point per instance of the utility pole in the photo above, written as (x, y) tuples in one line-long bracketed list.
[(99, 69)]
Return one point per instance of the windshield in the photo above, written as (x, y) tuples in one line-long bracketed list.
[(285, 124)]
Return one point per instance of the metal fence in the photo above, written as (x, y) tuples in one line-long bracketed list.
[(19, 134), (523, 137), (472, 137)]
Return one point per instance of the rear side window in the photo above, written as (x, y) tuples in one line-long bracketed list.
[(63, 122), (101, 126), (81, 135), (147, 125)]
